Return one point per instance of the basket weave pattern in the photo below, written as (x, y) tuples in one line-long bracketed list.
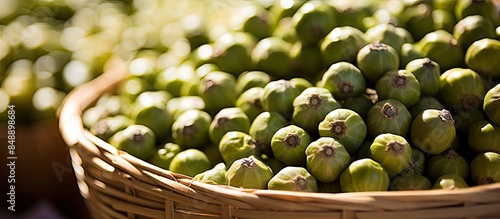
[(115, 184)]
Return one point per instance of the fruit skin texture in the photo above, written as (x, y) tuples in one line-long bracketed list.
[(343, 80), (138, 140), (107, 127), (360, 104), (311, 107), (482, 56), (450, 182), (364, 175), (155, 116), (388, 116), (375, 59), (345, 125), (249, 102), (491, 104), (486, 8), (484, 136), (263, 128), (190, 162), (427, 73), (342, 44), (417, 163), (249, 173), (448, 162), (313, 21), (289, 145), (409, 52), (214, 176), (461, 89), (425, 102), (484, 168), (293, 179), (165, 154), (250, 79), (278, 96), (473, 28), (235, 145), (392, 151), (217, 89), (326, 159), (272, 55), (228, 119), (441, 47), (410, 181), (190, 129), (433, 131), (388, 34), (400, 85)]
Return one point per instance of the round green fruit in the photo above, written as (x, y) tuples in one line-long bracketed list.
[(218, 91), (425, 102), (155, 116), (289, 145), (400, 85), (190, 162), (293, 179), (345, 125), (272, 55), (388, 116), (375, 59), (214, 176), (228, 119), (441, 47), (388, 34), (410, 181), (392, 151), (190, 129), (165, 154), (313, 21), (491, 105), (481, 56), (417, 162), (249, 173), (138, 140), (484, 136), (178, 105), (364, 175), (450, 182), (448, 162), (263, 128), (232, 52), (433, 131), (408, 53), (250, 79), (461, 89), (308, 59), (484, 168), (311, 107), (278, 97), (427, 73), (249, 102), (107, 127), (473, 28), (343, 80), (235, 145), (342, 44), (326, 159)]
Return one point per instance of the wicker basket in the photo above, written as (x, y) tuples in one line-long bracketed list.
[(118, 185)]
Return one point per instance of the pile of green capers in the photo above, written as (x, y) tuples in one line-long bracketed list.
[(319, 96)]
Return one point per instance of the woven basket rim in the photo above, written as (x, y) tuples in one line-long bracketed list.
[(73, 132)]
